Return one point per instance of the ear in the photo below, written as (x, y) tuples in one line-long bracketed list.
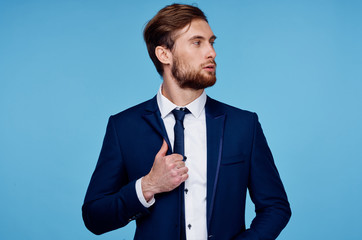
[(163, 54)]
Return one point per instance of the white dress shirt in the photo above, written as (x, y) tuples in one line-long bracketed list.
[(195, 151)]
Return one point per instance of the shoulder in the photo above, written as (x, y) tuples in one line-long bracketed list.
[(219, 108), (136, 111)]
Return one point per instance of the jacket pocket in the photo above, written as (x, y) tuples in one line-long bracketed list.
[(234, 159)]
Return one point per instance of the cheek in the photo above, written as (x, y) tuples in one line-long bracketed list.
[(189, 59)]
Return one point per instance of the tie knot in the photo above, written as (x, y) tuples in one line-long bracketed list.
[(180, 114)]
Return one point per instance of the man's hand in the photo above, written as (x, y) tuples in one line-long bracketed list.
[(166, 174)]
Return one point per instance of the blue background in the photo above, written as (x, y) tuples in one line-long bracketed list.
[(65, 66)]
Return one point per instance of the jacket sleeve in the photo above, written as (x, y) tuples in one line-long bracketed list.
[(266, 191), (111, 200)]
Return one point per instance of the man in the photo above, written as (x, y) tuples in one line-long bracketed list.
[(180, 164)]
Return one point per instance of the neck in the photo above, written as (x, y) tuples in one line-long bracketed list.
[(179, 96)]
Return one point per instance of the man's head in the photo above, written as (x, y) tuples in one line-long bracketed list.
[(183, 33)]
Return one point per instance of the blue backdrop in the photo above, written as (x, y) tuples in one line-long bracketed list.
[(65, 66)]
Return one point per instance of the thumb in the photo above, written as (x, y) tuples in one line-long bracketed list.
[(162, 152)]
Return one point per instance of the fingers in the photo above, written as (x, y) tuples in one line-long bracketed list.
[(179, 171), (179, 176), (184, 177), (182, 171), (175, 157), (179, 164), (163, 150)]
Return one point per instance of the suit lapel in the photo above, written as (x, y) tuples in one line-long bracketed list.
[(215, 120), (153, 117)]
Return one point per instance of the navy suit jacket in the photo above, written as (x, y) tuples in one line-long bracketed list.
[(238, 158)]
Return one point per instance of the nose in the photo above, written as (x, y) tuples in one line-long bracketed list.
[(211, 54)]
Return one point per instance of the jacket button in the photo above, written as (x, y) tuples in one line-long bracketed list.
[(211, 236)]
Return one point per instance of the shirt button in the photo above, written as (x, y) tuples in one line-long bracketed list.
[(186, 190), (189, 226)]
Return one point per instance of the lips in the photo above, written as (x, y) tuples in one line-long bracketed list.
[(210, 66)]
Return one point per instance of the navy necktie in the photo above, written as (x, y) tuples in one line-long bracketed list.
[(178, 129), (179, 147)]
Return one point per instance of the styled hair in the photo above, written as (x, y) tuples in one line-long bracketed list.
[(161, 29)]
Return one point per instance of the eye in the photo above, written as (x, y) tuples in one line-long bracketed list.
[(212, 43), (197, 43)]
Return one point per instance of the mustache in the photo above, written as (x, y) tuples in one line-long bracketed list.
[(209, 62)]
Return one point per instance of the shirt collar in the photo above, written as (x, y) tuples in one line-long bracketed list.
[(166, 106)]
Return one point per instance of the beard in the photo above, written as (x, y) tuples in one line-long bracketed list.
[(186, 77)]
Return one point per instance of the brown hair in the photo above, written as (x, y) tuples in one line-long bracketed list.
[(160, 30)]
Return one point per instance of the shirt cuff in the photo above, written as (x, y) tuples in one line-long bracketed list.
[(141, 197)]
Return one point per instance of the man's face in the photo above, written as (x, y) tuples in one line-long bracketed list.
[(193, 64)]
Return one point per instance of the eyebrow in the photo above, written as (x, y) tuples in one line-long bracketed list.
[(213, 37)]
